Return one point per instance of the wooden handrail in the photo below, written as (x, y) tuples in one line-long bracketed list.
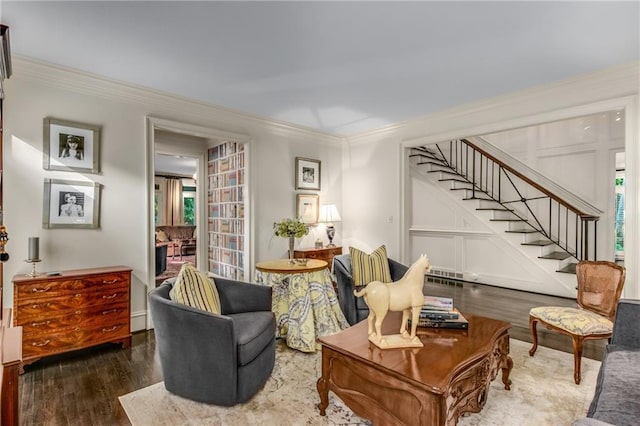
[(583, 215)]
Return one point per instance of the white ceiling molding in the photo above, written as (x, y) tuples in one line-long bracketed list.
[(577, 93), (94, 85)]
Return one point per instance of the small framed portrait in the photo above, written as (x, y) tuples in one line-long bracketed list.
[(70, 204), (307, 208), (307, 174), (71, 146)]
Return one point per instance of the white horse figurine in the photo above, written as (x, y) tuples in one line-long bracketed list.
[(403, 295)]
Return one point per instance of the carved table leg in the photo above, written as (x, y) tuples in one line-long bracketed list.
[(506, 371), (323, 386), (323, 391)]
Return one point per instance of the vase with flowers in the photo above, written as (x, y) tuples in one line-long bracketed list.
[(292, 229)]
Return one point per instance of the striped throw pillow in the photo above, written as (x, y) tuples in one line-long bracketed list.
[(366, 268), (195, 289)]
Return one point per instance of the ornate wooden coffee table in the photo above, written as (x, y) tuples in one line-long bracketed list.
[(432, 385)]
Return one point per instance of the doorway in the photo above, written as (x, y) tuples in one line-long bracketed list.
[(188, 140), (619, 208), (175, 211)]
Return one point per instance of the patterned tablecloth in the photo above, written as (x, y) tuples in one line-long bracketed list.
[(305, 305)]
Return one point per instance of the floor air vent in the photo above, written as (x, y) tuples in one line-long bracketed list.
[(447, 274)]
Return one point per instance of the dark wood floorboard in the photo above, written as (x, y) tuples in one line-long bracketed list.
[(513, 306), (82, 388)]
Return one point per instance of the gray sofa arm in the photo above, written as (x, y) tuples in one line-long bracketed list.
[(625, 328), (238, 296), (344, 280), (397, 269)]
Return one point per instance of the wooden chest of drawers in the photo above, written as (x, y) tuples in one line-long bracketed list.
[(73, 310), (325, 253)]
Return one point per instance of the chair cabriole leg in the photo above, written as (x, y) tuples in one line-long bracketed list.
[(533, 323), (578, 342)]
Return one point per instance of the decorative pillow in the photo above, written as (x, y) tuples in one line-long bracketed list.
[(195, 289), (162, 236), (366, 268)]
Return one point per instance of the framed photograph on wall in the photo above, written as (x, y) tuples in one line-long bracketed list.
[(71, 204), (71, 146), (307, 208), (307, 174)]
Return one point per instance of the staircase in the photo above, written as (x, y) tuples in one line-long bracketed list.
[(531, 210)]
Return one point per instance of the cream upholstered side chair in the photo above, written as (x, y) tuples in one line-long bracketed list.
[(599, 288)]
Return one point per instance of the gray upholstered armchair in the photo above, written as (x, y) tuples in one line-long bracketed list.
[(217, 359), (354, 308)]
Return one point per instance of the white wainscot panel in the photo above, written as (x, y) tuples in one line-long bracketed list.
[(514, 142), (576, 171), (616, 125), (440, 249), (493, 257), (424, 196), (553, 135)]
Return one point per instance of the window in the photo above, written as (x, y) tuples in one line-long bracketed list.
[(189, 205), (158, 202)]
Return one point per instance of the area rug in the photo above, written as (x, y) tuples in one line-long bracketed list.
[(542, 393)]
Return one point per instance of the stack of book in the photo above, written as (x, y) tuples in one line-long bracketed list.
[(438, 312)]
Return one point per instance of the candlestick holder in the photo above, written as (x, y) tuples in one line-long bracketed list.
[(33, 267)]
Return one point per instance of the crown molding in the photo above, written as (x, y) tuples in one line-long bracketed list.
[(614, 82), (66, 78)]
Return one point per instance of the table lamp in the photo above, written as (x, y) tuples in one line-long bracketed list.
[(329, 214)]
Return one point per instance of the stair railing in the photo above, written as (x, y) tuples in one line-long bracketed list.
[(572, 229)]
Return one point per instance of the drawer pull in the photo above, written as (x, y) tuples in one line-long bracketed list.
[(38, 324), (109, 282), (110, 311), (110, 297), (45, 343), (106, 330), (40, 290), (40, 305), (78, 312)]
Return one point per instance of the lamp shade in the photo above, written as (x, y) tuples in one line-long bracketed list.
[(329, 213)]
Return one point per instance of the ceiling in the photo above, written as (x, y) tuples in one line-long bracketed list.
[(338, 67), (174, 165)]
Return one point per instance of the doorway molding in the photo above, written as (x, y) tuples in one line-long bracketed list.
[(211, 136)]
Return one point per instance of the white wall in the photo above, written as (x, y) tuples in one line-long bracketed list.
[(376, 179), (37, 90)]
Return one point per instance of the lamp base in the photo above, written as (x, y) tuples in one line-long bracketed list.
[(33, 272), (331, 232)]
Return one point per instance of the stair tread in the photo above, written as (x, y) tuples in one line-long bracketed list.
[(443, 171), (540, 243), (478, 198), (515, 219), (433, 161), (497, 209), (429, 156), (569, 269), (556, 255), (521, 231), (452, 180)]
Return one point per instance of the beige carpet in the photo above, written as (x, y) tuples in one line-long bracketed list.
[(542, 393)]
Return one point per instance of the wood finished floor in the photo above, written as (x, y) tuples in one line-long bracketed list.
[(82, 388)]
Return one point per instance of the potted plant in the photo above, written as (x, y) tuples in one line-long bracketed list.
[(292, 229)]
